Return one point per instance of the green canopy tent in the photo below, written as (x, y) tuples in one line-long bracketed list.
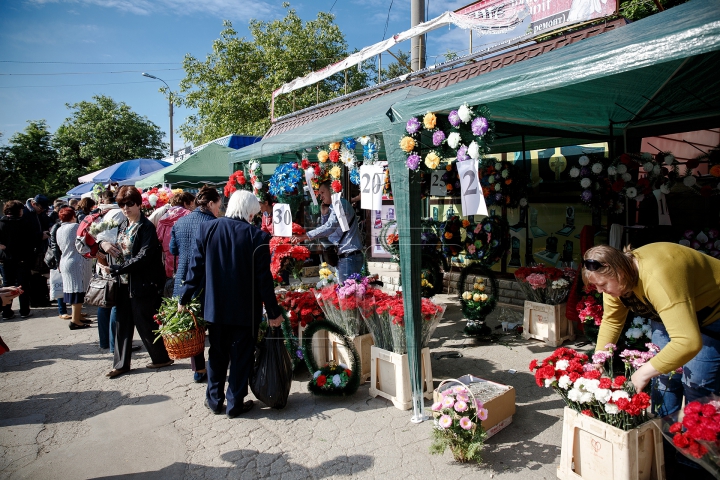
[(657, 75), (208, 166)]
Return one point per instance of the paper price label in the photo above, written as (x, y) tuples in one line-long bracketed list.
[(437, 184), (282, 220), (371, 185), (473, 202), (309, 175), (339, 211)]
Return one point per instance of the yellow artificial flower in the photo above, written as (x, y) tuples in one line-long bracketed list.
[(476, 297), (429, 121), (335, 146), (322, 156), (335, 172), (407, 144), (483, 297), (480, 288), (432, 160)]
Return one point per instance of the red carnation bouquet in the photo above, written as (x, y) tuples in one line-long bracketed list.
[(287, 255), (697, 434), (301, 307), (548, 285), (588, 386), (590, 311)]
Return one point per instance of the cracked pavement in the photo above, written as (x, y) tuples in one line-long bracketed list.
[(61, 418)]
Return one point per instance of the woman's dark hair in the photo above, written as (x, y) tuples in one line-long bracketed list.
[(182, 199), (12, 208), (66, 214), (128, 193), (86, 205), (107, 197), (206, 195)]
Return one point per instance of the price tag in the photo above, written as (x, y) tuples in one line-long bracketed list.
[(371, 184), (473, 202), (282, 220), (663, 214), (437, 184), (339, 211), (309, 175)]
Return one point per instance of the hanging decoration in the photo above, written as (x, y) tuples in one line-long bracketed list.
[(503, 183), (487, 241)]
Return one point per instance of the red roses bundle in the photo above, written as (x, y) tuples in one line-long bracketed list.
[(287, 255), (697, 436)]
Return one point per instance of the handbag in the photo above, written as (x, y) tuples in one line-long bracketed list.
[(50, 259), (101, 292)]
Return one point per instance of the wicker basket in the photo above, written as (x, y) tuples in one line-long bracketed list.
[(185, 344)]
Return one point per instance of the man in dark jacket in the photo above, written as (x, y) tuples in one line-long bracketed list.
[(230, 270), (17, 240), (37, 219)]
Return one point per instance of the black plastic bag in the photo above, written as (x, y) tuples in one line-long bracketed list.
[(272, 375)]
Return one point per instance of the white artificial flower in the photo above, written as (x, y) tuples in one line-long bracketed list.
[(564, 382), (574, 172), (498, 187), (664, 188), (627, 177), (473, 150), (453, 140), (343, 366), (602, 395), (657, 169), (257, 185), (647, 156), (574, 395), (505, 173), (621, 169), (597, 167), (153, 199), (363, 140), (491, 179), (584, 160), (336, 380), (689, 181), (647, 329), (585, 182), (612, 170), (464, 113), (631, 192), (611, 409), (618, 394), (648, 167), (669, 159), (254, 165), (524, 202), (562, 365), (317, 374), (498, 166)]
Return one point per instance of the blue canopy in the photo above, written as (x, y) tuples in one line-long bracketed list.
[(128, 169), (80, 189)]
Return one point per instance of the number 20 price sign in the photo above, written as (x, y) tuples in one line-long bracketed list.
[(473, 202), (371, 185), (282, 220)]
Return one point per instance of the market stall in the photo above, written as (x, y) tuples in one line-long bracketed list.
[(208, 166)]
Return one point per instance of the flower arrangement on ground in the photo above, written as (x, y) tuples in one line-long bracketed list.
[(697, 435), (590, 388), (458, 426), (476, 305), (332, 379), (706, 241), (170, 321), (332, 376), (590, 311), (548, 285), (287, 255)]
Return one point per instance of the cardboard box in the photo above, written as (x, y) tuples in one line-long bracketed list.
[(547, 323), (500, 407), (311, 271)]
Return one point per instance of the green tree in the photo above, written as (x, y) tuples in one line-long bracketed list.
[(101, 133), (231, 90), (29, 164), (399, 67)]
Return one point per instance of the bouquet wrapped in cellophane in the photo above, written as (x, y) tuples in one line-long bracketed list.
[(548, 285), (340, 305)]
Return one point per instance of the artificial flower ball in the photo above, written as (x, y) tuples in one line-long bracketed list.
[(454, 118), (648, 167), (429, 121), (153, 199), (715, 172), (476, 297), (657, 169), (322, 156), (585, 182), (669, 159), (491, 179), (498, 187), (453, 140), (523, 202), (498, 166), (412, 126), (432, 160), (254, 165), (597, 168), (689, 181), (621, 169), (364, 140), (438, 137), (334, 156), (505, 173), (407, 144), (466, 295), (574, 172), (631, 192), (335, 172), (583, 161), (479, 126), (612, 170), (257, 185), (627, 177), (480, 288), (473, 150), (413, 161), (336, 186), (465, 113)]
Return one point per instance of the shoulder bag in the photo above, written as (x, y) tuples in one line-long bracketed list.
[(101, 292)]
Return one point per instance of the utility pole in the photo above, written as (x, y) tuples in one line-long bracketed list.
[(417, 53)]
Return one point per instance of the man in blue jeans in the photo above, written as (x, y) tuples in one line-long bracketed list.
[(349, 244)]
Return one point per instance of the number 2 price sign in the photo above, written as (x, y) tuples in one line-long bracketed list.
[(339, 211), (437, 184), (371, 184), (282, 220), (473, 202)]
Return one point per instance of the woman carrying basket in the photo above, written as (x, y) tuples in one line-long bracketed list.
[(141, 277)]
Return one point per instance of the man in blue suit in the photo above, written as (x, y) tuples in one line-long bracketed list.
[(230, 270)]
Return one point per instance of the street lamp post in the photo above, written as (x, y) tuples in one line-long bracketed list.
[(172, 152)]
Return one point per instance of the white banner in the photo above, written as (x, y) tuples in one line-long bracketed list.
[(339, 211), (282, 220), (473, 202), (371, 185), (309, 175)]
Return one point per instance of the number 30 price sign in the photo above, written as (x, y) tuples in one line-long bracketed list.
[(282, 220), (371, 184), (473, 202)]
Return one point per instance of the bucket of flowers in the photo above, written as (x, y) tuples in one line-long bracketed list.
[(543, 284), (182, 331), (476, 306), (391, 320), (695, 432), (458, 416)]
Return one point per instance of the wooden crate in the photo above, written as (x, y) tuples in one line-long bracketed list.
[(390, 376), (320, 345), (593, 450), (362, 343), (547, 323)]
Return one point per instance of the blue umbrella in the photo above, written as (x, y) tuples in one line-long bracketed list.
[(128, 169), (80, 189)]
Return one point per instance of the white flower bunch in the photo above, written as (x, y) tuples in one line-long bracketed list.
[(453, 140), (561, 283)]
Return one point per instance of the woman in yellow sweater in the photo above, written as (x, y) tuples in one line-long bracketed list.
[(678, 288)]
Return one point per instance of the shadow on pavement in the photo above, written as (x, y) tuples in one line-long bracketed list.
[(28, 359), (254, 464)]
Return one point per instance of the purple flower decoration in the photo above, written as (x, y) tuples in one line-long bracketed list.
[(299, 354), (498, 197), (454, 118), (413, 126), (479, 126), (586, 195), (456, 184), (438, 138), (584, 172), (462, 154), (413, 161)]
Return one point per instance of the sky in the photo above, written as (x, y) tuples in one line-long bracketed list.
[(59, 52)]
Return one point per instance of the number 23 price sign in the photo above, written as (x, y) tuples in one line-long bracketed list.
[(282, 220), (473, 202), (371, 184)]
